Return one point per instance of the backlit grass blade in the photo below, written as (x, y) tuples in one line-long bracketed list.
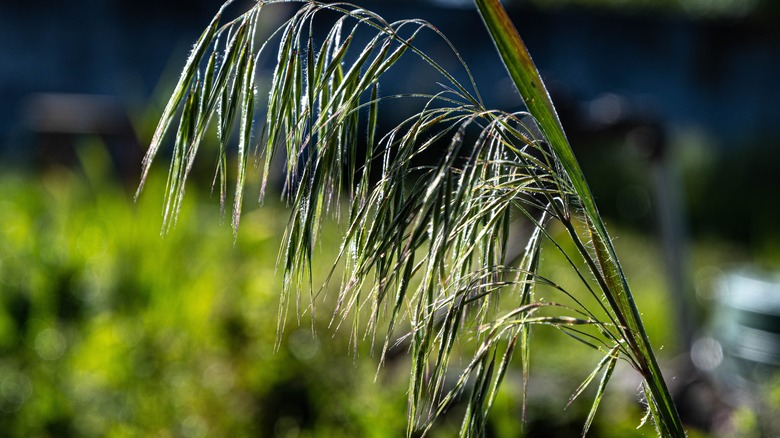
[(426, 247), (179, 94), (526, 77)]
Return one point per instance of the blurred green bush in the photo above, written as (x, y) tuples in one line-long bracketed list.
[(109, 329)]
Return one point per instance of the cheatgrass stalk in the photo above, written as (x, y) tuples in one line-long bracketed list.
[(612, 278), (426, 251)]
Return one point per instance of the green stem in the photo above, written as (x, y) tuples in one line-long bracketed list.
[(529, 83)]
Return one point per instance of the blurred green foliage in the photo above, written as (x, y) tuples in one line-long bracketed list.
[(109, 329)]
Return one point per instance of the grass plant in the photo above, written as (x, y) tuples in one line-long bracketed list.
[(426, 260)]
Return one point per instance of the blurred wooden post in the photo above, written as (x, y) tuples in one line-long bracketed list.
[(671, 224)]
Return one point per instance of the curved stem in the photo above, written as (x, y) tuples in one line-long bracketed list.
[(529, 83)]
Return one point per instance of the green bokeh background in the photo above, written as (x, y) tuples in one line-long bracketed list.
[(108, 328)]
